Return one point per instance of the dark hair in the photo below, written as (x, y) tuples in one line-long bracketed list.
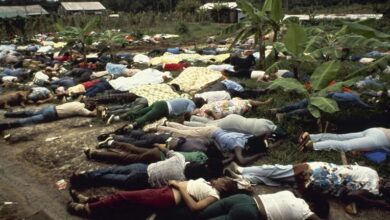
[(318, 204), (212, 168), (199, 102), (90, 105), (255, 145), (227, 187), (385, 190), (175, 87)]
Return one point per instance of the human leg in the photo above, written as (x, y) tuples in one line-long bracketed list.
[(193, 132), (336, 137), (156, 111), (268, 174), (150, 156), (372, 139), (295, 106), (155, 199), (133, 176), (236, 207)]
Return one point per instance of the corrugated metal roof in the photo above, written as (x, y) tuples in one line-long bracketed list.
[(209, 6), (22, 11), (83, 6)]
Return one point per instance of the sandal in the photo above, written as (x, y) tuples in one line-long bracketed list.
[(303, 139)]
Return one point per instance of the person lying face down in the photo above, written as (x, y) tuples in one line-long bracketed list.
[(141, 176), (195, 194), (232, 143), (352, 182), (280, 205)]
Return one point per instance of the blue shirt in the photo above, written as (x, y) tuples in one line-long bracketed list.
[(180, 106), (229, 140), (233, 85), (115, 69)]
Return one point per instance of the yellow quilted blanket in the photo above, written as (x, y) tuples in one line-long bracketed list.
[(194, 79), (157, 92), (175, 58)]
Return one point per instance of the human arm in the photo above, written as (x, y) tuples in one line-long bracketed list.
[(190, 202), (363, 196), (211, 114), (162, 148), (243, 161), (228, 159), (51, 96)]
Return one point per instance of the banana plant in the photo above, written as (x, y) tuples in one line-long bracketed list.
[(77, 34), (109, 39), (257, 23)]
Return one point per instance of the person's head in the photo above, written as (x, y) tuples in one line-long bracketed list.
[(227, 186), (255, 145), (199, 102), (212, 168), (166, 76), (60, 91), (384, 189), (318, 204), (90, 106)]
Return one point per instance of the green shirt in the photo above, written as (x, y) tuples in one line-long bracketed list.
[(195, 156)]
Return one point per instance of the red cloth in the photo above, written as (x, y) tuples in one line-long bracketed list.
[(175, 66), (91, 83), (344, 89), (62, 58), (156, 199)]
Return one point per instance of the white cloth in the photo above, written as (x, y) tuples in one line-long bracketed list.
[(366, 60), (9, 79), (221, 67), (45, 49), (72, 109), (257, 74), (200, 189), (141, 58), (40, 78), (147, 76), (280, 73), (214, 96), (285, 206)]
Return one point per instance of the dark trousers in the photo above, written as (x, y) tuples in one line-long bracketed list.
[(236, 207), (298, 108), (141, 139), (98, 88), (243, 73), (131, 177), (123, 153)]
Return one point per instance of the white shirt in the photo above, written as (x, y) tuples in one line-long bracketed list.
[(200, 189), (9, 79), (147, 76), (214, 96), (285, 206), (221, 67)]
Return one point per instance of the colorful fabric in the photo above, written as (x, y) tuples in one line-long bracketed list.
[(194, 79), (157, 92), (226, 107), (340, 179)]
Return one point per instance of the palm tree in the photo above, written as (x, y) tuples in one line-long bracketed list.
[(78, 35)]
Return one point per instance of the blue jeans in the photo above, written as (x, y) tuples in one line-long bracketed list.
[(98, 88), (349, 99), (367, 140), (132, 177), (299, 108), (45, 114)]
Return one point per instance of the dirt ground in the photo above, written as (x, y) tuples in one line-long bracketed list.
[(30, 165)]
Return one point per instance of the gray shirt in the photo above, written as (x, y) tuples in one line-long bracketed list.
[(170, 169)]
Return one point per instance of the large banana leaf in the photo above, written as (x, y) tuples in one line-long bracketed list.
[(366, 31), (288, 85), (377, 65), (282, 64), (324, 104), (315, 43), (274, 7), (314, 111), (248, 9), (324, 74), (295, 38), (337, 87), (359, 41)]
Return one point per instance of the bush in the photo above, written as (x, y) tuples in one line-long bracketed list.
[(181, 28)]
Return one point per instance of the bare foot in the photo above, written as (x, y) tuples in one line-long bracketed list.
[(233, 166)]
